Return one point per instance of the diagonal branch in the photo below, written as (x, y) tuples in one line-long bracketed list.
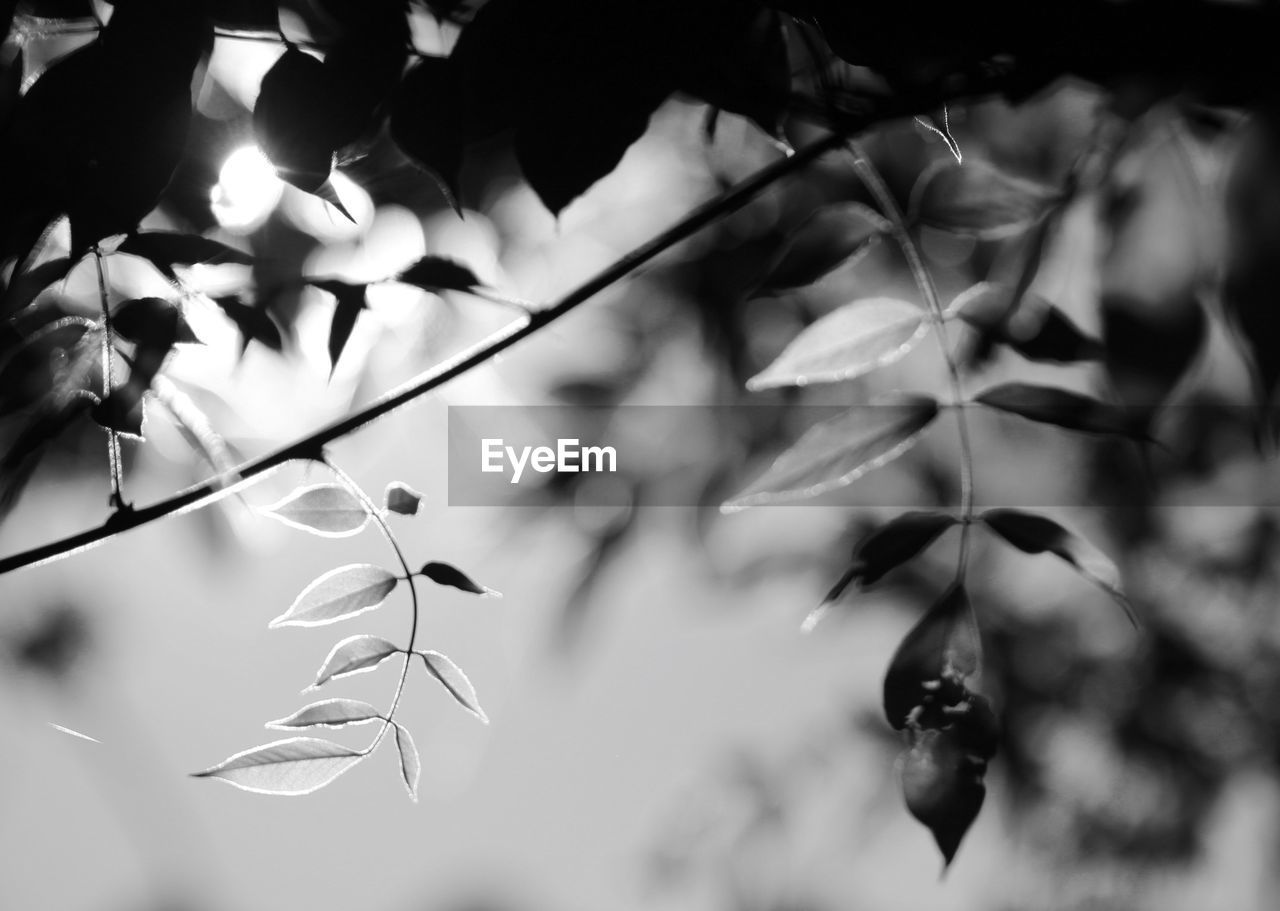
[(311, 447)]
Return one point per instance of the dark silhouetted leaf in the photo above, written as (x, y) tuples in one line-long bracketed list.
[(439, 273), (839, 451), (1070, 410), (888, 547), (426, 122), (166, 249), (296, 766), (1044, 334), (937, 655), (339, 594), (977, 199), (455, 681), (1037, 534), (254, 323), (745, 70), (25, 287), (846, 343), (828, 239), (331, 713), (943, 788), (349, 300), (291, 120), (153, 323), (1149, 345), (122, 411), (401, 498), (410, 762), (444, 574), (355, 655), (329, 510)]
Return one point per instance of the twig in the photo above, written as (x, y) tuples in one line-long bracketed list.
[(108, 373)]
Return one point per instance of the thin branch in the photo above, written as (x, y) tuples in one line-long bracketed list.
[(870, 176), (376, 514), (108, 377), (847, 123)]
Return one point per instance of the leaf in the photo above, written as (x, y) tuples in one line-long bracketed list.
[(745, 70), (977, 199), (884, 549), (426, 122), (1150, 345), (1070, 410), (166, 249), (943, 788), (837, 452), (846, 343), (455, 681), (291, 120), (1036, 534), (153, 323), (25, 287), (349, 300), (401, 498), (939, 652), (329, 510), (122, 411), (355, 655), (330, 713), (410, 762), (1048, 335), (295, 766), (828, 239), (339, 594), (439, 273), (254, 323), (41, 360), (568, 144), (444, 574)]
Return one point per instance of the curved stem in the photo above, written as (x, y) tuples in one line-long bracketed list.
[(875, 184), (108, 374), (376, 514)]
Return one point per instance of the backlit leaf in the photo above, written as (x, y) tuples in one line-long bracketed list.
[(331, 713), (444, 574), (455, 681), (942, 649), (296, 766), (253, 322), (291, 120), (828, 239), (837, 452), (1070, 410), (339, 594), (329, 510), (846, 343), (1036, 534), (410, 762), (977, 199), (355, 655), (402, 499)]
